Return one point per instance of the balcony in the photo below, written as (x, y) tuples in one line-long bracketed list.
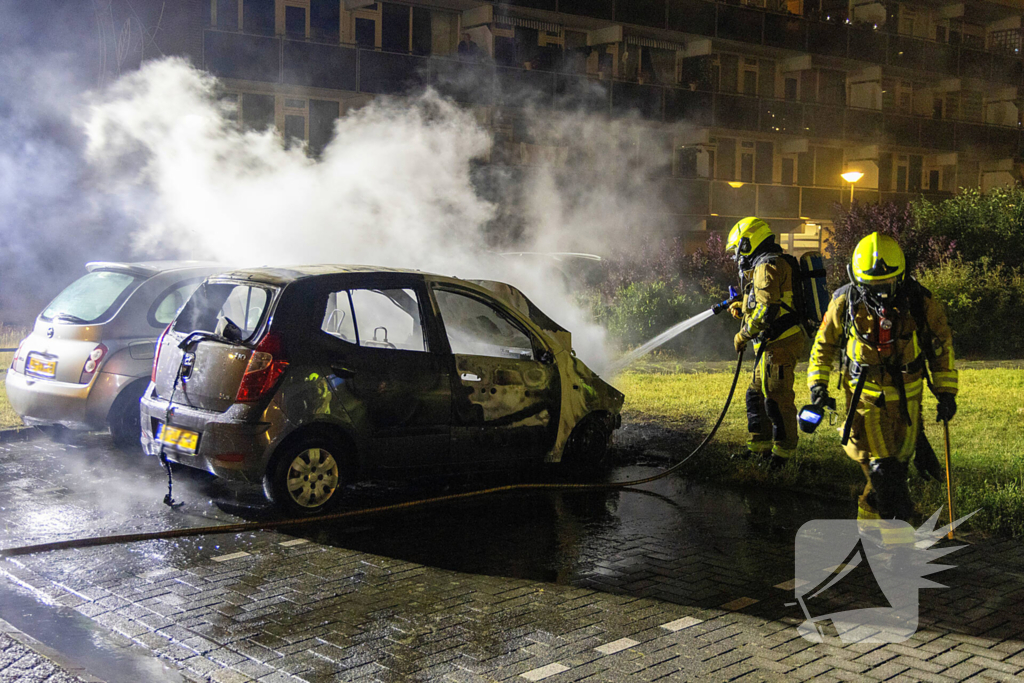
[(342, 67)]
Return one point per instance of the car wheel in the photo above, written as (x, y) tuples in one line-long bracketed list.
[(124, 419), (306, 477), (587, 444)]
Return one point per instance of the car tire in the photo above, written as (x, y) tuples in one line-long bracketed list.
[(124, 418), (587, 445), (305, 478)]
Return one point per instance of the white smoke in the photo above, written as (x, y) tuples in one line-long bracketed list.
[(393, 188)]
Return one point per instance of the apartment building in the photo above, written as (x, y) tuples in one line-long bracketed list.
[(754, 107)]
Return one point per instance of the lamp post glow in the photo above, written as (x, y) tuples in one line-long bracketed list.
[(852, 177)]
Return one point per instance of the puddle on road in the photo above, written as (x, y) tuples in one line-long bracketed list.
[(81, 640), (557, 536)]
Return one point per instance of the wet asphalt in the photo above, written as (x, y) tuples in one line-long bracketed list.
[(51, 491)]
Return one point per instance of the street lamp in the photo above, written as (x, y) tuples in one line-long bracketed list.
[(852, 177)]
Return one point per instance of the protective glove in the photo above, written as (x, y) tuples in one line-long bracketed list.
[(740, 343), (925, 461), (736, 309), (947, 407), (819, 394)]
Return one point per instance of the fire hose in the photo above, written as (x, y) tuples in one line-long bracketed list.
[(365, 512)]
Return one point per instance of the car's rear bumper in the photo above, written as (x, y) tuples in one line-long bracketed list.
[(228, 447), (76, 406)]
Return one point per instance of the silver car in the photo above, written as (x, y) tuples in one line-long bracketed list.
[(89, 357), (307, 378)]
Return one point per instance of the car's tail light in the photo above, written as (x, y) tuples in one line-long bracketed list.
[(266, 365), (17, 353), (156, 356), (92, 363)]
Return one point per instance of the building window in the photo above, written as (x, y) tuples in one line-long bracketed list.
[(257, 111), (325, 20), (749, 76), (1007, 42), (725, 166), (295, 22), (294, 129), (747, 161), (972, 106), (322, 114), (788, 170), (729, 73), (790, 88), (258, 16), (227, 14), (366, 32), (832, 87), (828, 165)]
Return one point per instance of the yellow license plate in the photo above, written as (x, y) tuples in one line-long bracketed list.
[(41, 367), (182, 439)]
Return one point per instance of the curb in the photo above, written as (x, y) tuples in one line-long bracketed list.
[(47, 652)]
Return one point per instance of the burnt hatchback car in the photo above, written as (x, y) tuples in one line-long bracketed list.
[(306, 379)]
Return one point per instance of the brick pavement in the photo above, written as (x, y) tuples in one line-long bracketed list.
[(287, 610), (19, 662), (693, 589)]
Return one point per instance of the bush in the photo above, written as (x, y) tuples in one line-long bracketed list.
[(650, 289), (922, 248), (642, 310), (989, 225), (984, 304)]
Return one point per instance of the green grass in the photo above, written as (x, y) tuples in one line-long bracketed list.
[(987, 438), (10, 337)]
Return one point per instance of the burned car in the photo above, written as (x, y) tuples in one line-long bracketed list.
[(88, 359), (308, 378)]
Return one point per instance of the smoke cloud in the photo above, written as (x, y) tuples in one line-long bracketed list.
[(154, 165)]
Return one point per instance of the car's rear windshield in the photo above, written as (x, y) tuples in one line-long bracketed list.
[(91, 298), (216, 306)]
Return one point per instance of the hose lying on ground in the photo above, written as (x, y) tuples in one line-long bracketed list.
[(284, 523)]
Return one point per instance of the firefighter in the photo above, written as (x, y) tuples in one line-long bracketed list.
[(889, 331), (769, 319)]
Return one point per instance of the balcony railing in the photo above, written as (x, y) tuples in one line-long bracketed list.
[(339, 67), (732, 21), (723, 203)]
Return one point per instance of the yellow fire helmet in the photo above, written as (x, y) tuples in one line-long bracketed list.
[(878, 265), (747, 235)]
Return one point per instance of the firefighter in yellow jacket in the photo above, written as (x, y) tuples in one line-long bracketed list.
[(890, 332), (769, 319)]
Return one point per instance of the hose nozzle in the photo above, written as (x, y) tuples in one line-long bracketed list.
[(734, 296)]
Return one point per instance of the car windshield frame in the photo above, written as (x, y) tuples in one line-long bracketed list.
[(64, 317), (256, 334)]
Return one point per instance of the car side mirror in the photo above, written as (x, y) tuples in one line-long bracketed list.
[(546, 357)]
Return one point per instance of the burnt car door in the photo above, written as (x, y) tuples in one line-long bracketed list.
[(506, 393), (385, 369)]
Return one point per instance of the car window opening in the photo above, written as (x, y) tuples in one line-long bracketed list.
[(376, 318), (231, 311), (477, 329)]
